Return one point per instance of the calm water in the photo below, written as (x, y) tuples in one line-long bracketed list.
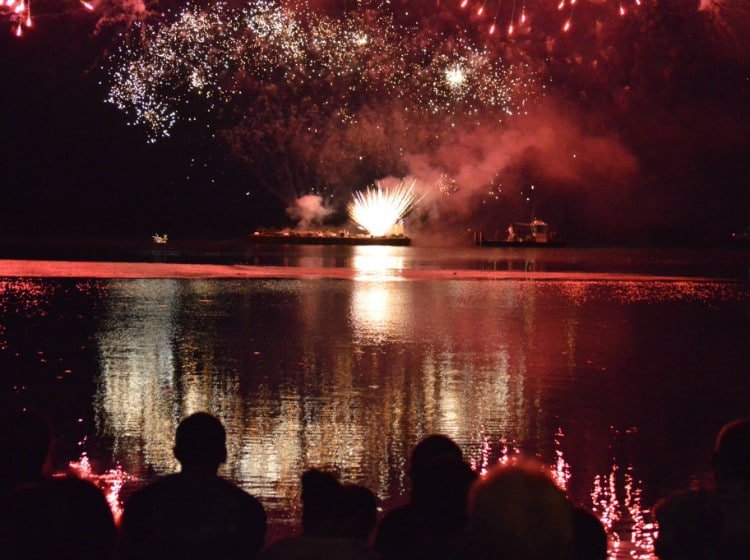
[(618, 385)]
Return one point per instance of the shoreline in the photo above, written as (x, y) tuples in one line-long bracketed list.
[(17, 268)]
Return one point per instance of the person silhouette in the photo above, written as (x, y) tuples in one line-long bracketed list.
[(63, 517), (589, 537), (517, 512), (359, 512), (431, 524), (24, 446), (194, 513), (336, 521), (712, 522)]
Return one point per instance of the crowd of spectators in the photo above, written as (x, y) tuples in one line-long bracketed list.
[(512, 513)]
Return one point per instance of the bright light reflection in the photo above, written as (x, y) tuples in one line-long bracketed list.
[(378, 262)]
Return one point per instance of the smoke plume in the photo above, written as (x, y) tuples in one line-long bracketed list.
[(308, 210)]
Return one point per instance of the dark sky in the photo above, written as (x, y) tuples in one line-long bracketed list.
[(72, 167)]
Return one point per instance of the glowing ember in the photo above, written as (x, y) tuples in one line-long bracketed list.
[(455, 76), (379, 209)]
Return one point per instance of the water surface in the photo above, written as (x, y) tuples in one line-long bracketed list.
[(619, 383)]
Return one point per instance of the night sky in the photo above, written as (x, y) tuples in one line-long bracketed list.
[(669, 88)]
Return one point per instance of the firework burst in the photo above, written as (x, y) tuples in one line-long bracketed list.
[(378, 209), (345, 62)]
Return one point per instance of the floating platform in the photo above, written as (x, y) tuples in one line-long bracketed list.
[(313, 238), (519, 244), (481, 241)]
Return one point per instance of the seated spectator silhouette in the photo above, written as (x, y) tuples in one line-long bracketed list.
[(517, 513), (432, 524), (195, 513), (321, 503), (359, 512), (24, 446), (62, 518), (712, 522), (336, 521), (589, 537)]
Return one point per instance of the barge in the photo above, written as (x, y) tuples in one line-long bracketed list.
[(326, 238)]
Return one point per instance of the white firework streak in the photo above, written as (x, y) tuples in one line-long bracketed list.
[(378, 208)]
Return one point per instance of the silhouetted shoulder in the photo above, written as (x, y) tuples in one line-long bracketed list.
[(318, 548), (191, 514), (396, 529), (704, 523), (63, 518)]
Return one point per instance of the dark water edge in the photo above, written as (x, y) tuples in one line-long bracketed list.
[(730, 261)]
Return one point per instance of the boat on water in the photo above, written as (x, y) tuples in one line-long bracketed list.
[(741, 237), (291, 237), (160, 238), (533, 234)]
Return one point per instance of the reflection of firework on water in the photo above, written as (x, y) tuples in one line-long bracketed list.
[(378, 209), (616, 498), (110, 482), (345, 62)]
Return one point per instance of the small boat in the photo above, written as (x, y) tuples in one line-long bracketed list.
[(741, 237), (533, 234), (160, 238)]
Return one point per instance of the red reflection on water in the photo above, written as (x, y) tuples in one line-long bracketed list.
[(560, 471), (109, 482), (617, 501), (615, 497)]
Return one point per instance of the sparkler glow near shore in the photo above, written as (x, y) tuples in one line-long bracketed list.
[(378, 209)]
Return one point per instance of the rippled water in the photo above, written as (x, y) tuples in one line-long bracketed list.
[(618, 385)]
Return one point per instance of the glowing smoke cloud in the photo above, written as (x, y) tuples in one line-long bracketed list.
[(379, 209), (308, 210)]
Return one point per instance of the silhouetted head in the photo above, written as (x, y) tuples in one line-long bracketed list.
[(440, 493), (322, 499), (432, 447), (589, 537), (359, 512), (731, 455), (518, 513), (200, 443), (24, 446)]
